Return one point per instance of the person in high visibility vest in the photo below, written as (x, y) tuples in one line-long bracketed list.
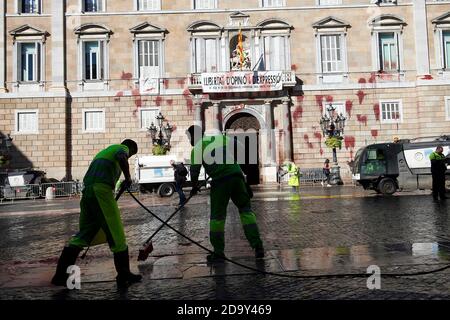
[(100, 220), (438, 169), (294, 176), (227, 182)]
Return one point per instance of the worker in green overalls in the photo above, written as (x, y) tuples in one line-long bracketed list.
[(100, 220), (227, 182)]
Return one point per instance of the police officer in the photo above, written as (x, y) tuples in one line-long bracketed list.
[(438, 169), (100, 220), (227, 182)]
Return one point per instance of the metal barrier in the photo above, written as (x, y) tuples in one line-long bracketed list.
[(61, 189), (29, 191), (314, 176)]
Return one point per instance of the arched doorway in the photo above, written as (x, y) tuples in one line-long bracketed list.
[(244, 127)]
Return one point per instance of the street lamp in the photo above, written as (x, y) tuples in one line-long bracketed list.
[(332, 125), (162, 134)]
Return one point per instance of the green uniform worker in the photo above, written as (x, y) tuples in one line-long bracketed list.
[(100, 220), (227, 183), (438, 169)]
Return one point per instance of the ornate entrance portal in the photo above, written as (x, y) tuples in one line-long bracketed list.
[(244, 128)]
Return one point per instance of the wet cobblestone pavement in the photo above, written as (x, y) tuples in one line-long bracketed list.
[(321, 231)]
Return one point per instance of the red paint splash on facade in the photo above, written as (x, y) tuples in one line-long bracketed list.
[(376, 111), (275, 123), (166, 83), (427, 77), (126, 76), (362, 119), (329, 99), (348, 107), (169, 101), (300, 99), (321, 151), (360, 94), (374, 133), (373, 78), (319, 100), (158, 101), (181, 82), (318, 136), (298, 112), (118, 96), (294, 67), (310, 145), (189, 101), (349, 142), (361, 81)]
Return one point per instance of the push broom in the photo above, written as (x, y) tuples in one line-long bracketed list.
[(147, 247)]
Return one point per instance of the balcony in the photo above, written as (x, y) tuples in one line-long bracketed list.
[(241, 81)]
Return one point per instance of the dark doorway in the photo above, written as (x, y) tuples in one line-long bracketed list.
[(244, 128)]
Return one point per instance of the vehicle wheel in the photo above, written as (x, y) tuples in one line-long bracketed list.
[(166, 190), (387, 186)]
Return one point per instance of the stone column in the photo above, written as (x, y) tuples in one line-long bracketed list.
[(2, 47), (287, 137), (421, 38), (271, 145), (198, 113), (58, 52), (217, 118)]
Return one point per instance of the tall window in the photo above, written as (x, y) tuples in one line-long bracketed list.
[(93, 60), (447, 108), (446, 48), (93, 120), (204, 4), (388, 51), (92, 5), (149, 59), (148, 116), (275, 53), (272, 3), (206, 55), (27, 121), (149, 5), (390, 112), (29, 6), (331, 53), (30, 62)]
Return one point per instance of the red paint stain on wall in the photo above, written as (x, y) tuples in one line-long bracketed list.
[(300, 99), (349, 107), (169, 101), (362, 119), (166, 83), (427, 77), (181, 82), (319, 100), (294, 67), (298, 112), (275, 123), (360, 94), (126, 76), (376, 111), (349, 142), (373, 77), (189, 101), (310, 145), (362, 80), (158, 101), (318, 136), (118, 96), (321, 151), (329, 98), (374, 133)]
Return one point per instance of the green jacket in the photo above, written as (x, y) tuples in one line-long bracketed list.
[(438, 163), (105, 167), (213, 153)]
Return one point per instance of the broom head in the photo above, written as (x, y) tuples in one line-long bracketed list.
[(145, 251)]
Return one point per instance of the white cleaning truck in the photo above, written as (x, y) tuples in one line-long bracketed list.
[(154, 173), (405, 165)]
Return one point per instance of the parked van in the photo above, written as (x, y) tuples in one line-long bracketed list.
[(154, 173), (404, 165)]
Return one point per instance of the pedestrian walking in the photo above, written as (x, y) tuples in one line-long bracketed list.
[(227, 182), (438, 169), (180, 174), (100, 220), (326, 172)]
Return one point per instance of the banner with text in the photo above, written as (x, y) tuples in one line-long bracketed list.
[(242, 81)]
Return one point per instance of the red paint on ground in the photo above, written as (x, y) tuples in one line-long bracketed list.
[(349, 142), (360, 94), (362, 119), (376, 111)]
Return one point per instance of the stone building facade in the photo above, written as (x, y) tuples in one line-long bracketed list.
[(78, 75)]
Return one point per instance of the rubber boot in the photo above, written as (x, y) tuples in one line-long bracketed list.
[(124, 276), (68, 257)]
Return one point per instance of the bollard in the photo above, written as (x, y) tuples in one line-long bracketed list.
[(50, 193)]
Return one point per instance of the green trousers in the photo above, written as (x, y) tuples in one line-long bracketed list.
[(100, 220), (231, 188)]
